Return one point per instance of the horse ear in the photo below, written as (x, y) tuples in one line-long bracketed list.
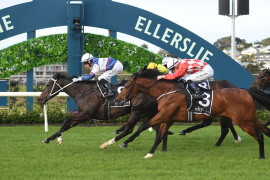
[(56, 75)]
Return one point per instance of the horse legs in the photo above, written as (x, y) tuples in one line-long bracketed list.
[(160, 135), (205, 123), (235, 135), (117, 131), (225, 124), (141, 128), (252, 131), (261, 145), (67, 124)]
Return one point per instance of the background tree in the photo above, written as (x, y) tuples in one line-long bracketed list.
[(225, 42), (253, 69), (164, 53), (266, 42)]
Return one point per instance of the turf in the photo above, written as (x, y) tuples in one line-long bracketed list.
[(194, 156)]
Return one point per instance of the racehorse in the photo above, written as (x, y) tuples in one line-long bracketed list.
[(236, 104), (225, 122)]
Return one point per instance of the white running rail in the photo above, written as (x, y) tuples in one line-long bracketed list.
[(32, 94)]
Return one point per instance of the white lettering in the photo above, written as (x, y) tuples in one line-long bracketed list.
[(177, 37), (6, 23), (147, 27), (166, 35), (1, 29), (199, 53), (185, 44), (156, 31), (139, 23), (190, 49), (206, 54)]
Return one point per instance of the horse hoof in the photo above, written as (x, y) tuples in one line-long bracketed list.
[(170, 132), (60, 142), (123, 145), (182, 133), (149, 155), (238, 139), (46, 141), (102, 146), (115, 132)]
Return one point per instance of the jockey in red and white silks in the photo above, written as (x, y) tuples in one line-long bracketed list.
[(191, 69)]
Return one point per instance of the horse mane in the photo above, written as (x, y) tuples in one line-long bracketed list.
[(148, 73), (64, 75)]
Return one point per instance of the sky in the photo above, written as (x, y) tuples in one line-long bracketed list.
[(199, 16)]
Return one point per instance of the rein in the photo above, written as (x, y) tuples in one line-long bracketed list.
[(61, 88), (133, 84)]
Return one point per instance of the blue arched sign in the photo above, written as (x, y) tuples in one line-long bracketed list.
[(123, 18)]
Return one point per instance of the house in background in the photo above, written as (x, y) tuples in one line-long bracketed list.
[(41, 74)]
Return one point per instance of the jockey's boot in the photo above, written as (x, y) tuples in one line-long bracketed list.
[(110, 92), (196, 89)]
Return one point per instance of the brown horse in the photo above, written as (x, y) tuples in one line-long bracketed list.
[(236, 104), (225, 122)]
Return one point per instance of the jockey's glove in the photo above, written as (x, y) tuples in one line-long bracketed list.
[(77, 79)]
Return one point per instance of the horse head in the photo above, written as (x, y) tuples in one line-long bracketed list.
[(54, 87), (262, 82), (135, 85)]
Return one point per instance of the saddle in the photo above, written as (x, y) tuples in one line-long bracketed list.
[(197, 106), (109, 102)]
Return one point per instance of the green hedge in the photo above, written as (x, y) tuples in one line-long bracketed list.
[(53, 49), (57, 117), (35, 117)]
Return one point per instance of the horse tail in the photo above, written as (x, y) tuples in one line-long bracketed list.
[(262, 99), (262, 128)]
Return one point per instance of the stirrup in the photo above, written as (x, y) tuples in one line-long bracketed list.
[(108, 94)]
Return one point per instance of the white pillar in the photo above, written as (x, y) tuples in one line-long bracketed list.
[(233, 31), (46, 118)]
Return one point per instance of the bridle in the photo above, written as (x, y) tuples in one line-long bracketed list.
[(127, 98), (52, 94)]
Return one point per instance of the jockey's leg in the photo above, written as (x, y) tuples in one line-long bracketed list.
[(196, 89)]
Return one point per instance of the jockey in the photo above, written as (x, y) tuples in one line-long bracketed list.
[(160, 67), (191, 70), (109, 66)]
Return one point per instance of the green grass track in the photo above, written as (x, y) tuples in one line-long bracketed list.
[(194, 156)]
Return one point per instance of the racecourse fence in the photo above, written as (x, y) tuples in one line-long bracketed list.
[(33, 94)]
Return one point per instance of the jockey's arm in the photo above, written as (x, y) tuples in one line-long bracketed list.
[(92, 74), (180, 72)]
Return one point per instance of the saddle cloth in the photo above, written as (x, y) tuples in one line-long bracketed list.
[(203, 106), (109, 102)]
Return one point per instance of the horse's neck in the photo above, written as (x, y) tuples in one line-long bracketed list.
[(157, 89), (78, 88)]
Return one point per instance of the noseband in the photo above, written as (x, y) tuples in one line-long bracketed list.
[(127, 98), (49, 96)]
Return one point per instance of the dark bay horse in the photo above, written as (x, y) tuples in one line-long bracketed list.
[(236, 104)]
